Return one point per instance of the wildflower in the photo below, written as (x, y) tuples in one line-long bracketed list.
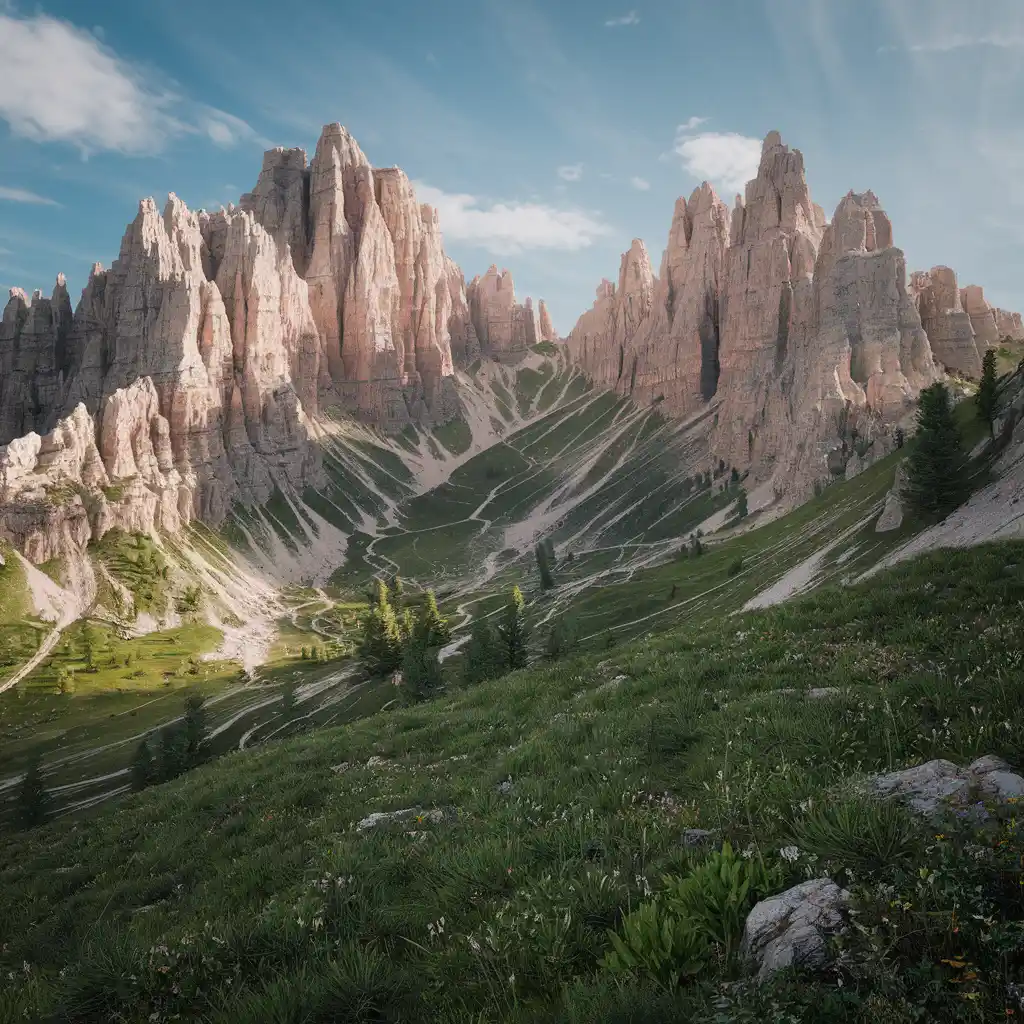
[(790, 853)]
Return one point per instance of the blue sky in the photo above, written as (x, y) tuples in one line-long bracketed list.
[(549, 134)]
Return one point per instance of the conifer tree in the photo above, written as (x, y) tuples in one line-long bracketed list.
[(33, 800), (288, 700), (143, 767), (173, 753), (421, 670), (741, 506), (937, 468), (547, 581), (561, 640), (381, 647), (432, 629), (988, 394), (514, 631), (398, 593), (194, 723), (484, 654)]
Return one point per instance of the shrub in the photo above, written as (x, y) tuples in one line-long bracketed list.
[(860, 833), (735, 567)]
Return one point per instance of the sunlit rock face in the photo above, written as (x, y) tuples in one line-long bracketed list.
[(793, 334), (220, 336)]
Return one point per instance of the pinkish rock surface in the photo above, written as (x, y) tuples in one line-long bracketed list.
[(945, 320), (505, 328)]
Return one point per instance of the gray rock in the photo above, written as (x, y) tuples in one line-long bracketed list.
[(435, 817), (694, 837), (791, 928), (988, 763), (504, 788), (925, 787), (820, 692), (1002, 785)]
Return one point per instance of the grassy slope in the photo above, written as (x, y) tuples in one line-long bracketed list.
[(263, 902)]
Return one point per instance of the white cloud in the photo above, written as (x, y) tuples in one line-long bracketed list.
[(726, 159), (640, 184), (22, 195), (505, 228), (626, 19), (62, 84), (570, 172), (956, 41)]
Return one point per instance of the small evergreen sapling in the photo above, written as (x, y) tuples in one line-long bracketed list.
[(484, 654)]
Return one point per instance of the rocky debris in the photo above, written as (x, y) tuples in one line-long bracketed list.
[(504, 787), (505, 328), (932, 787), (823, 692), (414, 814), (791, 929), (799, 333), (946, 322)]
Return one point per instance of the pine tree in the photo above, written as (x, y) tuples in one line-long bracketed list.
[(514, 631), (65, 681), (741, 506), (988, 394), (143, 767), (33, 800), (173, 754), (936, 469), (381, 647), (544, 565), (288, 700), (421, 670), (194, 724), (549, 547), (398, 593), (432, 629), (561, 640), (484, 654), (91, 644)]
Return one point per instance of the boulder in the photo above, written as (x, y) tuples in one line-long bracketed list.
[(791, 929), (927, 788)]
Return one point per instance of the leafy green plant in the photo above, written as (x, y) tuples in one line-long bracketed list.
[(657, 943), (716, 897), (862, 833)]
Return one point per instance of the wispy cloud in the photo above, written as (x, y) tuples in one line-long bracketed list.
[(63, 84), (23, 195), (570, 172), (726, 159), (640, 184), (626, 19), (505, 228), (952, 43)]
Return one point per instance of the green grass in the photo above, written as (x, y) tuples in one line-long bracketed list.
[(544, 348), (250, 870), (13, 587), (137, 564), (455, 435)]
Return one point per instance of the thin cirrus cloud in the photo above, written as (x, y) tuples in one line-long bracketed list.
[(726, 159), (952, 43), (23, 195), (53, 72), (506, 228), (640, 184), (626, 19), (570, 172)]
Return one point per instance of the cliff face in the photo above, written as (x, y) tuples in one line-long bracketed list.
[(505, 328), (328, 286), (947, 323), (799, 334)]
